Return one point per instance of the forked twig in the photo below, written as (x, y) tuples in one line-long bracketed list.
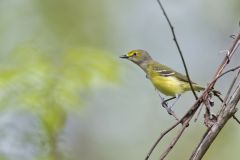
[(172, 144), (222, 74), (223, 115), (160, 138), (184, 120), (210, 135), (218, 96)]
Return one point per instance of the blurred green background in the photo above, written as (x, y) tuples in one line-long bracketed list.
[(65, 94)]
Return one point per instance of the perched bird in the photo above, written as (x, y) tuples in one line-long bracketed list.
[(164, 79)]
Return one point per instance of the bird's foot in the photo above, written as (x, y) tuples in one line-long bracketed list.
[(169, 110)]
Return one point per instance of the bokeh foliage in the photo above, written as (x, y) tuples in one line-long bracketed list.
[(51, 86), (52, 56)]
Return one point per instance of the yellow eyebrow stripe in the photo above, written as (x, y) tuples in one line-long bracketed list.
[(130, 54)]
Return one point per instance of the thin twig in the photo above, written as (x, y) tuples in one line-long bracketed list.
[(238, 85), (229, 91), (229, 55), (178, 47), (184, 120), (228, 109), (224, 63), (211, 133), (227, 96), (173, 143), (159, 139), (200, 109), (234, 117), (222, 74), (230, 70), (217, 95)]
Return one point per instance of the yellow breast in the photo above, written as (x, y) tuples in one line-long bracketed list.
[(169, 86)]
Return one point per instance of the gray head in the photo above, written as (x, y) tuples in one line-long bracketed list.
[(138, 56)]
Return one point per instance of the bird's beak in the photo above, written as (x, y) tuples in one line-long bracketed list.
[(124, 56)]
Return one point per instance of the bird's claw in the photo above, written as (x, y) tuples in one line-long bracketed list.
[(169, 110)]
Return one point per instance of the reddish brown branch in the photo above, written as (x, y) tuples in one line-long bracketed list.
[(213, 131)]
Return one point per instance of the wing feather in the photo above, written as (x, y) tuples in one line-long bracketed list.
[(165, 71)]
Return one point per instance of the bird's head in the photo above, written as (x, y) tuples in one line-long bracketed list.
[(137, 56)]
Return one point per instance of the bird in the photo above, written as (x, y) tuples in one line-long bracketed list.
[(166, 80)]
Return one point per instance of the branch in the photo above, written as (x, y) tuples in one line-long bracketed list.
[(180, 132), (211, 133), (184, 120), (224, 63), (217, 95), (160, 138), (235, 79), (230, 70), (229, 90), (203, 98), (229, 54), (178, 47), (227, 111)]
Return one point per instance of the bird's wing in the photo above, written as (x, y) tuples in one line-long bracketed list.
[(165, 71)]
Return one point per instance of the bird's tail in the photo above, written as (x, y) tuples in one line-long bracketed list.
[(197, 87), (200, 88)]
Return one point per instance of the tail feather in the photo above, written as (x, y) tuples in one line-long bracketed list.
[(200, 88), (197, 87)]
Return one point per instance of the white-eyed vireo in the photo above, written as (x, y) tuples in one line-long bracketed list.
[(164, 79)]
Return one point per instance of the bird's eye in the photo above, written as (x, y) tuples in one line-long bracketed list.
[(134, 54)]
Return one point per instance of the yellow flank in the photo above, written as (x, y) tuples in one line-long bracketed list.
[(169, 86)]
